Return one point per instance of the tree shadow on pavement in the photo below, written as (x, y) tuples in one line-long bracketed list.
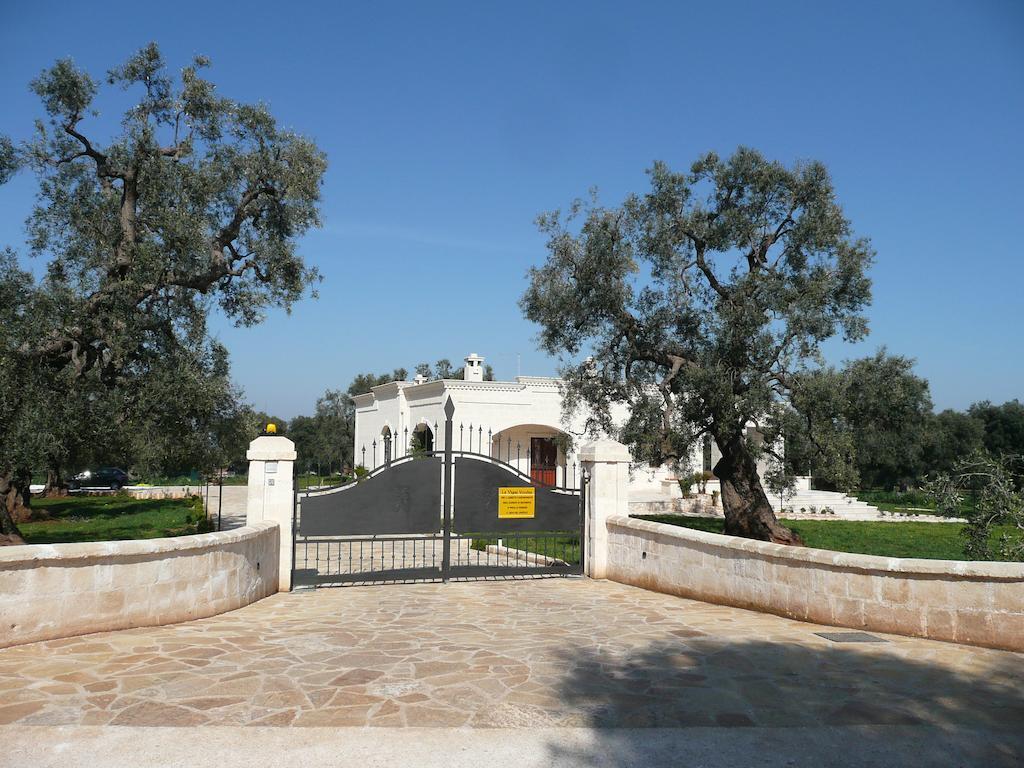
[(709, 701)]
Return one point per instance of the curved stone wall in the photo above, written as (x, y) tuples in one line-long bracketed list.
[(980, 603), (49, 591)]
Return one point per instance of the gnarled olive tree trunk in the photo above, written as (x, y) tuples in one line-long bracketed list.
[(14, 505), (748, 512), (55, 487)]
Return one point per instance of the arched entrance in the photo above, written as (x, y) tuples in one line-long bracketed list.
[(543, 452), (422, 438)]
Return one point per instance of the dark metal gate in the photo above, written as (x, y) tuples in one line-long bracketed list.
[(438, 515)]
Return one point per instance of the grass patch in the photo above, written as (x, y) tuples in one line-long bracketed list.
[(565, 547), (940, 541), (112, 518)]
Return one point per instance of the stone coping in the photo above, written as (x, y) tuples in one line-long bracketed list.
[(41, 554), (1000, 571)]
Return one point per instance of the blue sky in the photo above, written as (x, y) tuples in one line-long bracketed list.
[(450, 126)]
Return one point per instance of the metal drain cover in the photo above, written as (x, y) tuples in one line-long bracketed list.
[(850, 637)]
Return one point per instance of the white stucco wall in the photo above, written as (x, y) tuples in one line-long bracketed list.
[(529, 406), (516, 410)]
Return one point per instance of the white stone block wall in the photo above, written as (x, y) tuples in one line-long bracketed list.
[(49, 591), (980, 603)]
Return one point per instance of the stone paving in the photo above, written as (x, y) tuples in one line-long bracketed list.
[(508, 654)]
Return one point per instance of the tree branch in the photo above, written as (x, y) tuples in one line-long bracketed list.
[(103, 167)]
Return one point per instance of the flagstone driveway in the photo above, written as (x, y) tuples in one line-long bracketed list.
[(501, 654)]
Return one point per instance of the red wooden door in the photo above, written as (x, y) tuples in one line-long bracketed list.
[(543, 460)]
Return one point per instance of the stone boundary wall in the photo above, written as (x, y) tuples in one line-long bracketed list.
[(980, 603), (49, 591), (150, 491), (695, 505)]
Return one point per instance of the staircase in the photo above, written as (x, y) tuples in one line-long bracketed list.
[(827, 505), (845, 507)]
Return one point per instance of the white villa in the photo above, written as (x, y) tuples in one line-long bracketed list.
[(517, 421)]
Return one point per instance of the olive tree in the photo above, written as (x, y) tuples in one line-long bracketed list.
[(990, 491), (196, 201), (700, 302), (863, 425)]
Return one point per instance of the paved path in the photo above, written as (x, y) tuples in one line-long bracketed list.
[(556, 672), (230, 500)]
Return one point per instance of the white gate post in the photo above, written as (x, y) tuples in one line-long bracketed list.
[(271, 494), (607, 465)]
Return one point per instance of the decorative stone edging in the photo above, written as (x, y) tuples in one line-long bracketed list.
[(963, 601), (530, 558)]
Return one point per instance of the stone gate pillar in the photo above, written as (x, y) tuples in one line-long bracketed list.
[(607, 465), (271, 494)]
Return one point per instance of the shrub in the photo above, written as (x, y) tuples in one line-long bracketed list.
[(698, 479), (998, 485)]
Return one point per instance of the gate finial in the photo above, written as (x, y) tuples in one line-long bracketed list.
[(449, 408)]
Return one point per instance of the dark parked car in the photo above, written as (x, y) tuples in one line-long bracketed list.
[(104, 477)]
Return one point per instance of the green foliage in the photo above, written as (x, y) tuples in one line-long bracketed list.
[(334, 421), (324, 441), (261, 419), (199, 198), (364, 382), (700, 301), (952, 437), (888, 407), (996, 487), (195, 201), (699, 479), (1003, 427), (911, 498), (866, 423)]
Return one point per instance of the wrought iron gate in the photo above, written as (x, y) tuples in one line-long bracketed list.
[(438, 515)]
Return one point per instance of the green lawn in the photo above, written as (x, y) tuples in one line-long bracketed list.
[(565, 548), (940, 541), (106, 518)]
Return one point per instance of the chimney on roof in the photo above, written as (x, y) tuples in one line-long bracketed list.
[(474, 370), (420, 378)]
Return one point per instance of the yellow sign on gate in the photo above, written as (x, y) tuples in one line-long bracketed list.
[(515, 502)]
